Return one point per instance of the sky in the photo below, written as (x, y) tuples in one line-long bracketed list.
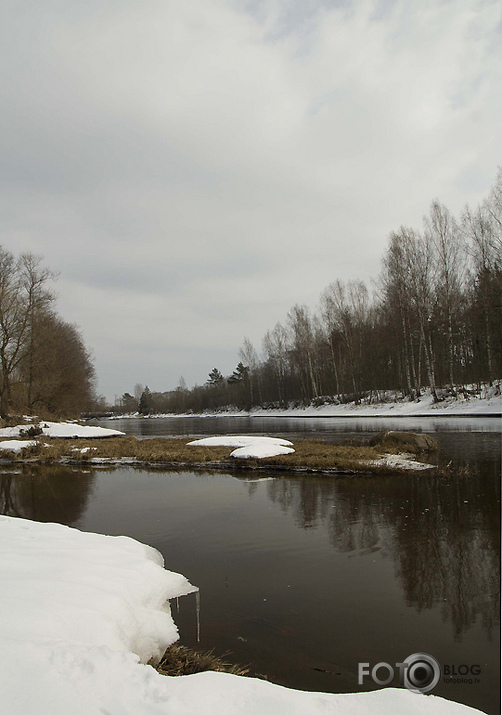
[(194, 169)]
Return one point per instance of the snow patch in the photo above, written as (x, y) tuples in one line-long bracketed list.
[(248, 446), (16, 445), (240, 440), (68, 430), (260, 450), (403, 461)]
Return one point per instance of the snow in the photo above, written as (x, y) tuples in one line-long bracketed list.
[(62, 429), (488, 403), (403, 461), (80, 616), (240, 440), (248, 446), (260, 450), (16, 445), (491, 404)]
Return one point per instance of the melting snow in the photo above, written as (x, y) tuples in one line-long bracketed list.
[(403, 461)]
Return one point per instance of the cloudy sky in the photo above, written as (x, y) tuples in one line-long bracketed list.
[(193, 168)]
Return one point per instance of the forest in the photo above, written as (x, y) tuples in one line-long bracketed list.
[(432, 320), (45, 368)]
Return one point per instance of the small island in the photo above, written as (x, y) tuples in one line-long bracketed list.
[(391, 452)]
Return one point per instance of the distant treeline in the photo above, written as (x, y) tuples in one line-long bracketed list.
[(45, 368), (433, 320)]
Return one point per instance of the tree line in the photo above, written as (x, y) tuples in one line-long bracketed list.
[(432, 321), (45, 368)]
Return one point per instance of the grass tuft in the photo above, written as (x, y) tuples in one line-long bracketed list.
[(180, 660)]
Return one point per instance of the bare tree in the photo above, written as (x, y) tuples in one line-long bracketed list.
[(421, 271), (23, 297), (249, 357), (300, 324), (63, 377), (485, 249), (345, 310), (442, 232), (275, 347)]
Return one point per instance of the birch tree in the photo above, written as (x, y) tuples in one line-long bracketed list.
[(300, 324), (275, 347), (443, 234)]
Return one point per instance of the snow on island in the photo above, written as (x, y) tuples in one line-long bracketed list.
[(16, 445), (67, 430), (248, 447), (81, 615)]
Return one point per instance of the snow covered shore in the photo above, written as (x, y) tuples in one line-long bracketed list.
[(422, 407), (80, 616), (489, 404)]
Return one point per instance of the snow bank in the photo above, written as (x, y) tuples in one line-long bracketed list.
[(62, 429), (423, 407), (81, 614), (16, 445), (64, 584), (248, 447)]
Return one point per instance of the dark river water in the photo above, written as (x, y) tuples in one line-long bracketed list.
[(303, 578)]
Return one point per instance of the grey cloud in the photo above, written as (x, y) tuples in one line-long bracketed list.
[(207, 165)]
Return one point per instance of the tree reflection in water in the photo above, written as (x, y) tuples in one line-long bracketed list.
[(442, 533), (56, 493)]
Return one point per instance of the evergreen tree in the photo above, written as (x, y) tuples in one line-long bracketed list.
[(145, 401), (215, 377)]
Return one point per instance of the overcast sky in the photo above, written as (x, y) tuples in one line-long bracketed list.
[(194, 168)]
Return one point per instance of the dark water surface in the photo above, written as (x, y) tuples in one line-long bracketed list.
[(303, 578)]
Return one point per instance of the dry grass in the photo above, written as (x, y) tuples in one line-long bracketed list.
[(312, 454), (309, 455), (159, 449), (180, 660)]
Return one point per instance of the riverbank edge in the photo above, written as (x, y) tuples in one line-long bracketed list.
[(228, 464)]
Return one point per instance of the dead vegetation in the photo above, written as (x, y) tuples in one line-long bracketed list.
[(180, 660), (309, 456)]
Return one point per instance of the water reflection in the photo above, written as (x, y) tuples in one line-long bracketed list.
[(443, 535), (58, 493), (410, 562)]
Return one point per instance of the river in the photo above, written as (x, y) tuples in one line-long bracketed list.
[(303, 578)]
